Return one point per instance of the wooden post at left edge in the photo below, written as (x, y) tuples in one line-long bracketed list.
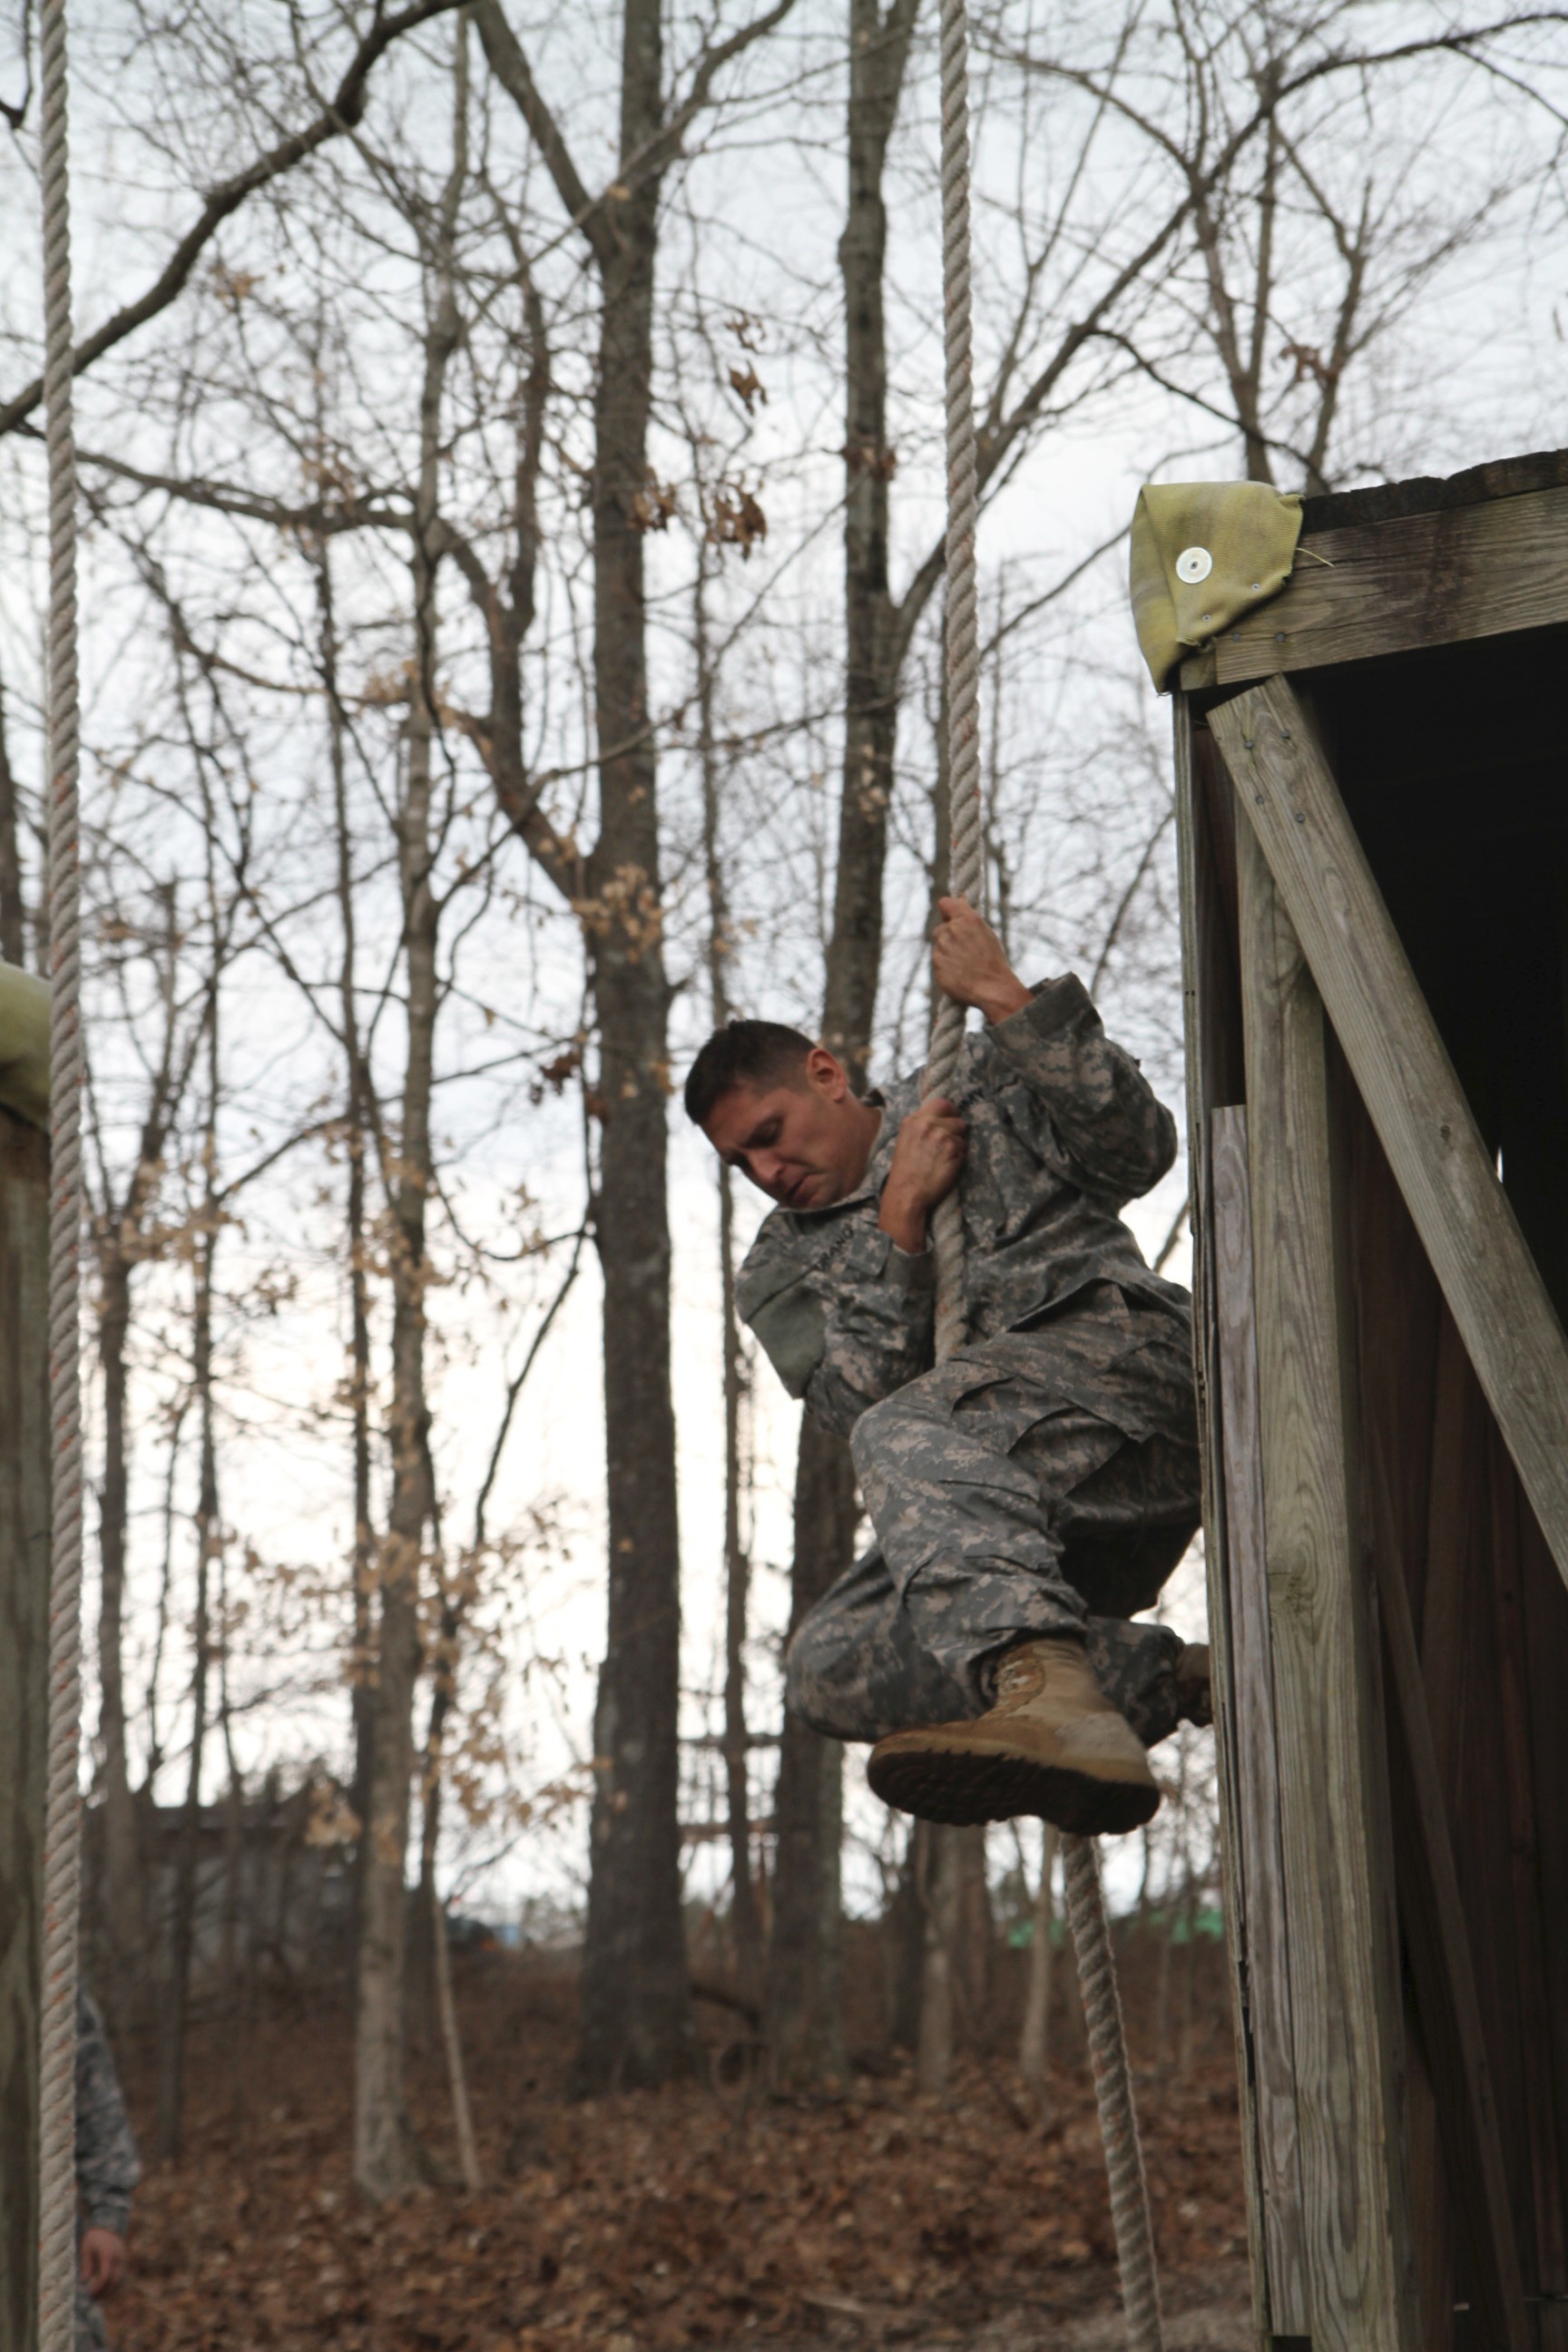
[(23, 1657)]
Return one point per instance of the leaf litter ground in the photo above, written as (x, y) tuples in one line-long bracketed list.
[(695, 2215)]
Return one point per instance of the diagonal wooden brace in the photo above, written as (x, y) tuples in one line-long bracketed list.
[(1467, 1227)]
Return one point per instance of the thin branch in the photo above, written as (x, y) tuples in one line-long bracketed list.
[(344, 111), (515, 1386)]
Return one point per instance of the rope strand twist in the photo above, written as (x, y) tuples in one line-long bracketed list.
[(1113, 2093), (962, 623), (56, 2151)]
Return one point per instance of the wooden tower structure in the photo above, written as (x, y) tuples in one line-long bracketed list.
[(1373, 782)]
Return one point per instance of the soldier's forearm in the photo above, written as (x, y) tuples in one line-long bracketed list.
[(1007, 996), (902, 1217)]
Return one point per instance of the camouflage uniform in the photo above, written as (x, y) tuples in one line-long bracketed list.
[(107, 2165), (1044, 1480)]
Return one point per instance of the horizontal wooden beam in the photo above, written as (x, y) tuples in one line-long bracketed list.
[(1385, 588), (1465, 1220)]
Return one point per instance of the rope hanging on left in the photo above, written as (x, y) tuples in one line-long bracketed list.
[(966, 876), (62, 1823)]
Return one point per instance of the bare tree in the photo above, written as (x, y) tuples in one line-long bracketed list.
[(209, 1540), (385, 2155), (1032, 2038), (342, 112), (637, 2017), (13, 912), (1314, 214), (745, 1917), (358, 1115), (121, 1220), (1242, 256), (805, 2013)]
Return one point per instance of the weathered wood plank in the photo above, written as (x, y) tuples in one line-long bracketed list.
[(24, 1646), (1256, 1768), (1399, 1311), (1401, 1066), (1534, 2014), (1446, 1993), (1345, 2012), (1545, 1629), (1495, 477), (1428, 579), (1457, 1499), (1202, 950)]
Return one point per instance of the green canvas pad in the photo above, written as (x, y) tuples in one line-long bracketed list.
[(25, 1045), (1202, 554)]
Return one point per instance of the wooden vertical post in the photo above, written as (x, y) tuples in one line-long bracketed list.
[(1338, 1905), (1200, 921), (1266, 1941), (24, 1655)]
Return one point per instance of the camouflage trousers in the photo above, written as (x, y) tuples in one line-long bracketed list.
[(1040, 1482), (92, 2335)]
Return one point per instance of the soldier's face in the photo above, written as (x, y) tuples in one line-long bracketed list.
[(806, 1145)]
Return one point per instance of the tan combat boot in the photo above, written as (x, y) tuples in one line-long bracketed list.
[(1053, 1744)]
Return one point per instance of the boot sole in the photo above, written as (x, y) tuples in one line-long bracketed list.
[(950, 1785)]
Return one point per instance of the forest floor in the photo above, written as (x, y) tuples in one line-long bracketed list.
[(700, 2215)]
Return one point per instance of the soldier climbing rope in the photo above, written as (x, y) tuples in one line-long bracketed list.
[(1085, 1902), (1086, 1911)]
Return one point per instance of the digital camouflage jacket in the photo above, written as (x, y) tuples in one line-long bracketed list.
[(107, 2165), (1064, 1130)]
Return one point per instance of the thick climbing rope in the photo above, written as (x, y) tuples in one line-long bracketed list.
[(966, 860), (1113, 2091), (62, 1821), (1086, 1907)]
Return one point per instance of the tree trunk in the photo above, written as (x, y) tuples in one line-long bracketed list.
[(745, 1918), (1033, 2041), (636, 2019), (385, 2151), (209, 1539), (943, 1893), (906, 1925), (234, 1938), (385, 2157), (1189, 1965), (356, 1115), (976, 1935), (955, 1987), (120, 1249), (447, 2008), (422, 1992), (878, 53), (804, 2029), (124, 1924), (804, 2010), (13, 941)]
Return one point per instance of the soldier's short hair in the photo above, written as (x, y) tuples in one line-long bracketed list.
[(760, 1054)]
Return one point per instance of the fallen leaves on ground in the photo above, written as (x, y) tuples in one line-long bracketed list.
[(683, 2217)]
